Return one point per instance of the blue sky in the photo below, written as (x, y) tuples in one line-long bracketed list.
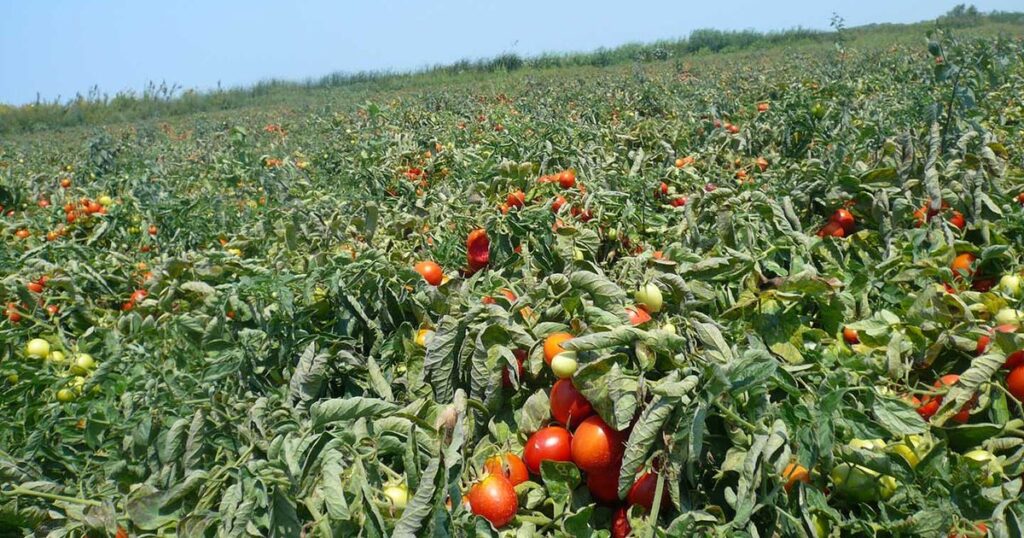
[(60, 47)]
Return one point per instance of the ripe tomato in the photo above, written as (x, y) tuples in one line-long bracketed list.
[(510, 466), (957, 220), (557, 204), (430, 271), (553, 345), (494, 499), (1015, 383), (793, 473), (553, 443), (596, 446), (844, 219), (152, 229), (678, 201), (567, 179), (506, 376), (568, 406), (478, 249), (604, 487), (850, 336), (961, 265), (620, 523), (637, 315), (34, 287), (832, 229), (22, 234), (643, 490), (515, 199), (662, 190), (138, 295), (930, 404)]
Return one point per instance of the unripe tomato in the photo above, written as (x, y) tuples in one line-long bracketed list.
[(105, 200), (1009, 316), (850, 336), (986, 464), (56, 356), (65, 396), (494, 499), (83, 364), (430, 271), (649, 295), (568, 406), (793, 473), (860, 484), (1010, 285), (553, 345), (553, 443), (596, 446), (564, 364), (604, 487), (37, 348), (398, 496), (1015, 382), (423, 336), (510, 466)]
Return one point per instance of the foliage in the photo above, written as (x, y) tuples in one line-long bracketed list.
[(249, 298)]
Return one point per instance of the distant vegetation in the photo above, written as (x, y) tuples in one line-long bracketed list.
[(162, 100)]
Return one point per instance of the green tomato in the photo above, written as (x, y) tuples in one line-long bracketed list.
[(1010, 285), (65, 396), (77, 384), (83, 364), (563, 365), (105, 200), (859, 484), (649, 295), (398, 496), (37, 348), (56, 356), (613, 234), (1009, 316), (669, 328), (986, 464), (12, 378), (904, 450)]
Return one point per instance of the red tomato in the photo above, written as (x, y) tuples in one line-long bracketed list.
[(568, 406), (678, 201), (553, 443), (494, 499), (1015, 383), (430, 271), (957, 220), (34, 287), (637, 315), (604, 487), (662, 190), (930, 404), (832, 229), (620, 523), (1014, 359), (597, 447), (642, 492), (478, 249), (152, 229), (567, 179), (850, 336), (515, 199), (844, 219), (506, 376), (510, 466), (557, 204)]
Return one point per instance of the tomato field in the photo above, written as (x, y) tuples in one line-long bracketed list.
[(739, 295)]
